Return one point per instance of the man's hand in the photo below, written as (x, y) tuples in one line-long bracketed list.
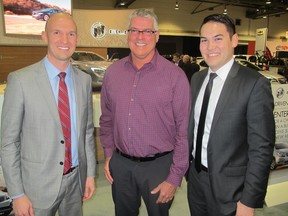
[(166, 192), (22, 206), (107, 170), (243, 210), (89, 188)]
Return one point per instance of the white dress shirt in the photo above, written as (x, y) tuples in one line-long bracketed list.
[(218, 84)]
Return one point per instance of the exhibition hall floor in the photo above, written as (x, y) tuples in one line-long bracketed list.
[(102, 204)]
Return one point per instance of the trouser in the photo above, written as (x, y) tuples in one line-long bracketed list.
[(69, 200), (133, 180), (200, 197)]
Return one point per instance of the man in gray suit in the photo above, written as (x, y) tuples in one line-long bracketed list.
[(236, 137), (33, 144)]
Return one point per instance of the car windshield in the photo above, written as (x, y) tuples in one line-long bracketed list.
[(83, 56), (249, 65)]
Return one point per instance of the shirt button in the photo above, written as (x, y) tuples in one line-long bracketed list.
[(129, 129), (62, 142), (61, 163), (134, 86), (132, 99), (130, 114)]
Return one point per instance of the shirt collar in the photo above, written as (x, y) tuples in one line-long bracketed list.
[(152, 63), (224, 70), (53, 72)]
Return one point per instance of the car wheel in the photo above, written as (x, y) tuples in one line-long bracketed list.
[(46, 17), (273, 164)]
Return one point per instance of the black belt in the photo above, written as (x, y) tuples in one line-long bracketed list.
[(143, 159), (70, 170)]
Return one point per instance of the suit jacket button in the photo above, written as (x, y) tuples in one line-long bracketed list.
[(62, 142), (61, 163)]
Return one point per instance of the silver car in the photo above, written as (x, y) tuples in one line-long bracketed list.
[(93, 64), (280, 155)]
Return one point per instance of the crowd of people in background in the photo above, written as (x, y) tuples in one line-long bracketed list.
[(187, 63)]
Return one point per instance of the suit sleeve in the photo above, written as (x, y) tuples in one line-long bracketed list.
[(11, 124), (89, 141), (261, 139)]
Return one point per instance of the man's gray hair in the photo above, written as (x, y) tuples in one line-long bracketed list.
[(144, 12)]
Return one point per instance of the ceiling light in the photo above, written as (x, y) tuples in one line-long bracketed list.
[(122, 3), (176, 6), (268, 2), (225, 10)]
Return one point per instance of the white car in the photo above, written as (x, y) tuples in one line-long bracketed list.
[(273, 77)]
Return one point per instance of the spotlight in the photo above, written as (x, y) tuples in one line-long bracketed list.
[(176, 6), (268, 2), (122, 3), (225, 11)]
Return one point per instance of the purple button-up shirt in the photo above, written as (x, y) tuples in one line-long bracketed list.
[(145, 111)]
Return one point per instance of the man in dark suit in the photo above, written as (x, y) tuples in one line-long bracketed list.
[(189, 67), (34, 136), (238, 134)]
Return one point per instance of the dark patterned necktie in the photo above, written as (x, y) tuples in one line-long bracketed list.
[(201, 123), (64, 113)]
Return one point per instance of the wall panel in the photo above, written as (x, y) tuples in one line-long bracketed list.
[(16, 57)]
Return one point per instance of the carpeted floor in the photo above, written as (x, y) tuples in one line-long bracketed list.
[(102, 203)]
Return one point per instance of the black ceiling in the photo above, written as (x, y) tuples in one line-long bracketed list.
[(123, 3), (254, 8)]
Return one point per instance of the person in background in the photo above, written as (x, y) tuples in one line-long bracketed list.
[(48, 148), (177, 60), (231, 144), (188, 67), (144, 123), (193, 61)]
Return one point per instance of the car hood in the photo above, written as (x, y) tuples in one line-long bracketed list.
[(102, 64)]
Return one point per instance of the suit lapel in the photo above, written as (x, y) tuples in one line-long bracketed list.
[(196, 91), (43, 82), (78, 98), (195, 86), (225, 94)]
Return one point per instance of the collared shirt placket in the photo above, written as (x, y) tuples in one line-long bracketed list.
[(132, 112)]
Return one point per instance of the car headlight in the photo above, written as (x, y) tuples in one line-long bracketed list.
[(281, 154), (282, 80), (98, 70)]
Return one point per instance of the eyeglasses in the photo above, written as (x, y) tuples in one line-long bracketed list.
[(147, 32)]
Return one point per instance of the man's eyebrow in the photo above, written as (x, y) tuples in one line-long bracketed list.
[(219, 35)]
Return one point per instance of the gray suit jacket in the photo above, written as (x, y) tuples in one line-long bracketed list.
[(241, 139), (31, 149)]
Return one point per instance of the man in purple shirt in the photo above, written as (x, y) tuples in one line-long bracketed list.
[(145, 101)]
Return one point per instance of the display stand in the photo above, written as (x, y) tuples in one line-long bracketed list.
[(277, 187)]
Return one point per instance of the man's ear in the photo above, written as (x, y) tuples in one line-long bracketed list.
[(235, 40), (157, 37)]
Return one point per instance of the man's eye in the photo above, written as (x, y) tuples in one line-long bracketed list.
[(147, 31)]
